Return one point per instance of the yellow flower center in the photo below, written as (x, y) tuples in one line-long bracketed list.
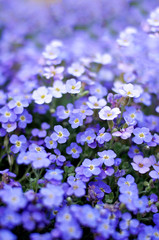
[(22, 118), (136, 150), (74, 150), (7, 114), (141, 165), (76, 120), (38, 149), (73, 87), (57, 89), (129, 93), (101, 134), (127, 183), (43, 96), (18, 143), (60, 134), (141, 135), (89, 138), (51, 142), (132, 115), (71, 229), (96, 104), (109, 114), (19, 104), (91, 167)]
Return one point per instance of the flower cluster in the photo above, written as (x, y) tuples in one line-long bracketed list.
[(79, 123)]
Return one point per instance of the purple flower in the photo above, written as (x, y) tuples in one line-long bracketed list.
[(10, 218), (103, 136), (155, 173), (55, 174), (60, 135), (7, 115), (74, 150), (107, 157), (71, 230), (91, 167), (58, 158), (6, 171), (76, 120), (105, 229), (24, 119), (6, 234), (132, 115), (144, 98), (88, 136), (63, 113), (100, 188), (50, 144), (38, 236), (128, 181), (20, 143), (124, 133), (23, 158), (156, 219), (128, 222), (141, 203), (52, 195), (107, 113), (141, 135), (140, 164), (13, 197), (39, 159), (134, 150), (89, 216), (98, 90), (83, 112), (18, 104), (77, 187), (9, 127)]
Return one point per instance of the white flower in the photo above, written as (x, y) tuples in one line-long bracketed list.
[(58, 89), (107, 113), (42, 95), (76, 69), (52, 71), (154, 18), (94, 103), (128, 90), (102, 58), (72, 86), (126, 37)]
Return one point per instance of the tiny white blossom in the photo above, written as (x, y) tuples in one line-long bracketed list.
[(76, 69), (72, 86), (42, 95), (107, 113), (95, 103), (102, 58), (58, 89)]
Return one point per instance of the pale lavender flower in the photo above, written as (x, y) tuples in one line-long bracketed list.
[(140, 164), (107, 113), (72, 86)]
